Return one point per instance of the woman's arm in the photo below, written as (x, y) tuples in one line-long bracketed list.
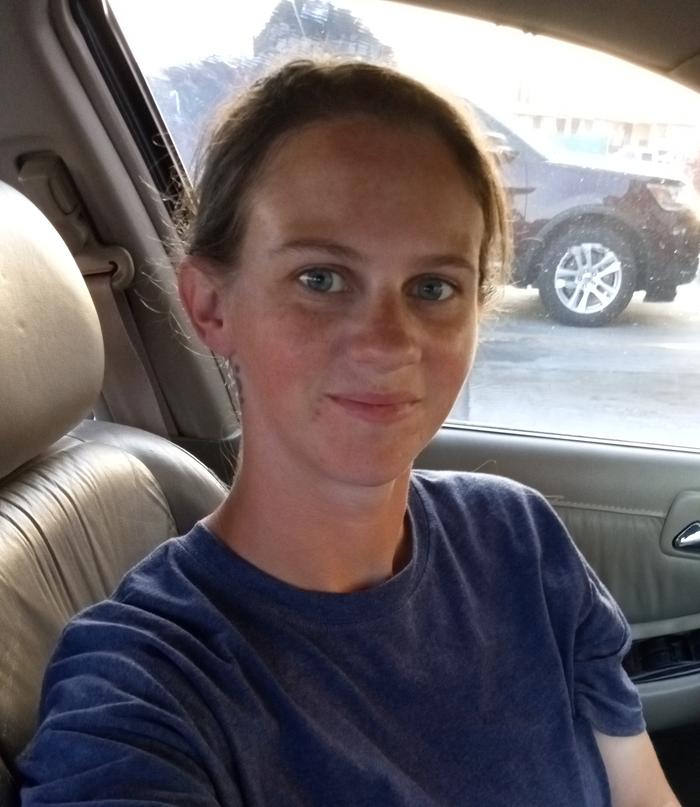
[(634, 773), (121, 723)]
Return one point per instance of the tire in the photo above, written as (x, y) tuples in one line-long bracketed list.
[(588, 275)]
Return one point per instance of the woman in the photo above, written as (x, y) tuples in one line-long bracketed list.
[(342, 630)]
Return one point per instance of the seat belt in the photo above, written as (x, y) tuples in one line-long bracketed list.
[(128, 391)]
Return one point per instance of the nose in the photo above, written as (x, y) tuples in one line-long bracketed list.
[(384, 333)]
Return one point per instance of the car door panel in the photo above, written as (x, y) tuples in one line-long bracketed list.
[(623, 505)]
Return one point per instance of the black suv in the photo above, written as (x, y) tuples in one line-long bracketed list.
[(590, 231)]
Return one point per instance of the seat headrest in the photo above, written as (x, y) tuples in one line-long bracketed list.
[(51, 351)]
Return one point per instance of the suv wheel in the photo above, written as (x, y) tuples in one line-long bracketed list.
[(588, 275)]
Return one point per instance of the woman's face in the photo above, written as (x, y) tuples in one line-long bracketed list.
[(351, 320)]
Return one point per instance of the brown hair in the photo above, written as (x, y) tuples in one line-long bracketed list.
[(305, 91)]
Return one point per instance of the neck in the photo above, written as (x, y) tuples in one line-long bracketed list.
[(316, 534)]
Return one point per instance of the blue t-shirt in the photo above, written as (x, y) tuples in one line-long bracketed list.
[(475, 676)]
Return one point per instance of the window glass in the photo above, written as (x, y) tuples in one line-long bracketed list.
[(598, 335)]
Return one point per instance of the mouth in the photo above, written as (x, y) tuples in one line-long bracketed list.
[(376, 407)]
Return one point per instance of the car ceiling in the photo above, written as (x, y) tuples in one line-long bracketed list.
[(662, 36)]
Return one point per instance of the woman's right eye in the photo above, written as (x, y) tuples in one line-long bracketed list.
[(323, 280)]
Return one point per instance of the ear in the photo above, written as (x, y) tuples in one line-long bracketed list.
[(203, 295)]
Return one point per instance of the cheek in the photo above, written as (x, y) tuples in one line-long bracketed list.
[(284, 351), (451, 360)]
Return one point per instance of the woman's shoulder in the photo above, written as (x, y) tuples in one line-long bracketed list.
[(473, 489), (133, 683), (161, 576), (492, 512), (162, 601)]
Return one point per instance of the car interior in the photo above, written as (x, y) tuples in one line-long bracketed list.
[(118, 430)]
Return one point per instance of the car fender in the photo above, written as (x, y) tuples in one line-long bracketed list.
[(528, 261)]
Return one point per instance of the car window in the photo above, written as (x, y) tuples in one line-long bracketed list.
[(598, 334)]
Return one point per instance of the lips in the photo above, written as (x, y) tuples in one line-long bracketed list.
[(376, 407)]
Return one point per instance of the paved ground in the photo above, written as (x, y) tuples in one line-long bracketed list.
[(636, 379)]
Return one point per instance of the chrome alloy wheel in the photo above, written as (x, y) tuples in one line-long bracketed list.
[(588, 278)]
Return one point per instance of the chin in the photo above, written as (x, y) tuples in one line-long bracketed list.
[(369, 470), (372, 460)]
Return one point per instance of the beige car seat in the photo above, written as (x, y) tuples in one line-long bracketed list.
[(80, 501)]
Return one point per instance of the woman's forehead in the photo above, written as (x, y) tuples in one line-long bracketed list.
[(351, 136), (369, 181), (357, 151)]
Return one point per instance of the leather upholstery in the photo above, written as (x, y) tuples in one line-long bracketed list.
[(51, 355), (189, 487), (80, 501), (66, 541)]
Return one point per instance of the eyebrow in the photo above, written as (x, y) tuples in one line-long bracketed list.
[(323, 244), (344, 252), (448, 259)]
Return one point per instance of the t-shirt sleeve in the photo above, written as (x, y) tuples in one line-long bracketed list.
[(112, 732), (603, 692), (593, 634)]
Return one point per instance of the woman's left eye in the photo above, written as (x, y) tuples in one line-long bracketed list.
[(323, 280), (434, 288)]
